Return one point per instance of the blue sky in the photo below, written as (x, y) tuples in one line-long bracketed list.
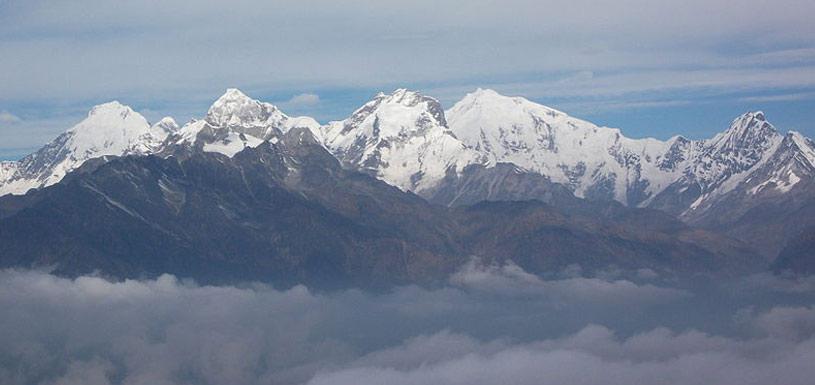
[(650, 68)]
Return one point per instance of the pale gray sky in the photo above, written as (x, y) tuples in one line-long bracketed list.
[(651, 68)]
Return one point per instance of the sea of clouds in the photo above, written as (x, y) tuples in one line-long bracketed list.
[(489, 325)]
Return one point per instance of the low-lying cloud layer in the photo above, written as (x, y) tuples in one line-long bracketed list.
[(594, 356), (492, 324)]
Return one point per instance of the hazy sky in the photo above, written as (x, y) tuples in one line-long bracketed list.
[(652, 68)]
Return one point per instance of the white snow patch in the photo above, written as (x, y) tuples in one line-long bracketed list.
[(232, 144)]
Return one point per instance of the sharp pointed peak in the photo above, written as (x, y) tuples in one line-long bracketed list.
[(751, 121), (799, 138), (750, 115), (233, 96), (235, 107), (232, 93), (748, 130)]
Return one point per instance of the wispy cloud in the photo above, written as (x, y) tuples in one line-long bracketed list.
[(9, 118), (304, 100), (176, 57), (779, 98)]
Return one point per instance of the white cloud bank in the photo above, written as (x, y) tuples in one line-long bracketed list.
[(593, 356), (488, 327)]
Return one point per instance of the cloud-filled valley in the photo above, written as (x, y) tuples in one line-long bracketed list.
[(489, 324)]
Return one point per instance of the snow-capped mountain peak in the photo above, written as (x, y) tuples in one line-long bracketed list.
[(500, 126), (109, 129), (7, 170), (236, 121), (400, 137), (112, 129), (111, 108), (724, 160), (749, 130), (401, 113), (235, 109), (593, 161), (805, 146)]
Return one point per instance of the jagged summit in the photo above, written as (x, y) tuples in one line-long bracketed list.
[(486, 146), (407, 97), (234, 108), (407, 139), (401, 106), (746, 131), (400, 137), (235, 121), (595, 162), (724, 160)]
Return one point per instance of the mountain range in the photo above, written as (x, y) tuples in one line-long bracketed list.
[(403, 190)]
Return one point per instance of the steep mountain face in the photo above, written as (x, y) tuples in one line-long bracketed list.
[(232, 123), (236, 121), (594, 162), (287, 212), (771, 203), (716, 166), (501, 182), (111, 129), (798, 256), (598, 236), (7, 170), (679, 176), (749, 182), (401, 138)]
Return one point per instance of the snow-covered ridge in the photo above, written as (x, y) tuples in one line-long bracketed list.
[(408, 140), (401, 138), (109, 129), (235, 121), (7, 170), (720, 164), (593, 161), (792, 162)]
